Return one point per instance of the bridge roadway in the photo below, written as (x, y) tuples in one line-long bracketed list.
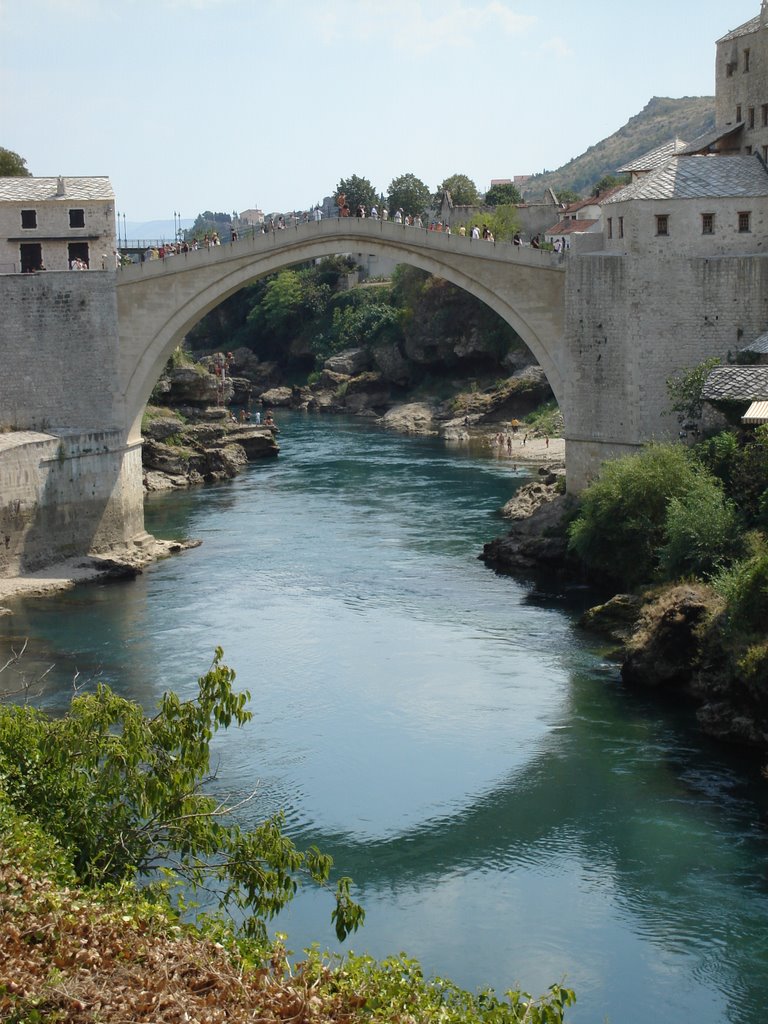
[(159, 301)]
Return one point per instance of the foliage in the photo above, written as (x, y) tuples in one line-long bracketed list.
[(685, 390), (660, 120), (503, 195), (503, 222), (463, 191), (359, 191), (609, 181), (208, 222), (12, 165), (122, 793), (567, 195), (622, 523), (395, 989), (744, 586), (701, 531), (408, 193), (547, 419)]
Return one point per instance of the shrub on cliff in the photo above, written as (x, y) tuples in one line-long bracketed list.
[(121, 793), (647, 516)]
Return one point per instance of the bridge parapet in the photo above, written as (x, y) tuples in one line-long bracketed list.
[(358, 232)]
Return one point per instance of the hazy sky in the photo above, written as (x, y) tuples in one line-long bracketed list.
[(190, 105)]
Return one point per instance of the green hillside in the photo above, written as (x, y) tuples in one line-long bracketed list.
[(659, 121)]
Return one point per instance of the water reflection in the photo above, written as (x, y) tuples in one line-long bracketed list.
[(447, 734)]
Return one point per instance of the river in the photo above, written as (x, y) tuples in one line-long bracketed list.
[(508, 811)]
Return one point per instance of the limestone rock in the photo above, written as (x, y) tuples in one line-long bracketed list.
[(616, 618), (413, 418), (281, 396), (666, 646), (350, 362), (538, 541)]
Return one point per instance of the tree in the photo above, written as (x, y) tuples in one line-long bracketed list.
[(408, 193), (12, 165), (609, 181), (622, 524), (687, 388), (498, 195), (565, 196), (359, 192), (122, 793), (463, 191)]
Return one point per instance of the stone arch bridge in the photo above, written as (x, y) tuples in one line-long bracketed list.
[(161, 300), (82, 352)]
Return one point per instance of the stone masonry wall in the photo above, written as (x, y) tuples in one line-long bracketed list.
[(58, 347), (633, 323), (67, 495)]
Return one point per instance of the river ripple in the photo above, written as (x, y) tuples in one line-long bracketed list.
[(507, 810)]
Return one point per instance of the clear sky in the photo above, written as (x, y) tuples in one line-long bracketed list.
[(190, 105)]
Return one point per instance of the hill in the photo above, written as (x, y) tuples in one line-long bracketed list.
[(660, 120)]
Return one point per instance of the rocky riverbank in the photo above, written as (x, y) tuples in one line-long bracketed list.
[(670, 639)]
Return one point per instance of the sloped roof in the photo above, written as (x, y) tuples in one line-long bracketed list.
[(38, 190), (710, 138), (759, 345), (568, 227), (653, 158), (700, 177), (743, 30), (736, 384)]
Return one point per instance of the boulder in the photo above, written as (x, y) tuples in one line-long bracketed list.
[(666, 647), (162, 427), (538, 541), (390, 361), (350, 362), (277, 396), (412, 418)]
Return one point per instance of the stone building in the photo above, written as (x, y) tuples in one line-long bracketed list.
[(50, 223), (741, 87)]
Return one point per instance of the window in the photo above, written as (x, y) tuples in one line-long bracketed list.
[(31, 257), (77, 218), (746, 60), (621, 227), (738, 112), (764, 109), (662, 224), (29, 218), (729, 69), (707, 223), (751, 117), (78, 251), (744, 222), (748, 150), (610, 227)]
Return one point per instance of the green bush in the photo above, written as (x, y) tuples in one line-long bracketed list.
[(621, 527), (701, 530), (121, 793), (745, 588)]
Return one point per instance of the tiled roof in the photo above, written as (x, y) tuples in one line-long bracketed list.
[(709, 138), (736, 383), (653, 158), (743, 30), (38, 190), (700, 177), (567, 227), (759, 345)]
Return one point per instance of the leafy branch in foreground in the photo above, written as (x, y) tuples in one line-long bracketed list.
[(123, 794)]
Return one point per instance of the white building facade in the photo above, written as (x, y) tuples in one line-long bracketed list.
[(56, 224)]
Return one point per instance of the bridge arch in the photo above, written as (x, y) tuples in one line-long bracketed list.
[(160, 301)]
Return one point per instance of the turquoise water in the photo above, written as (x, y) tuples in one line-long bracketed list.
[(508, 812)]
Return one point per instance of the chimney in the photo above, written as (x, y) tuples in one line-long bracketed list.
[(764, 13), (60, 189)]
